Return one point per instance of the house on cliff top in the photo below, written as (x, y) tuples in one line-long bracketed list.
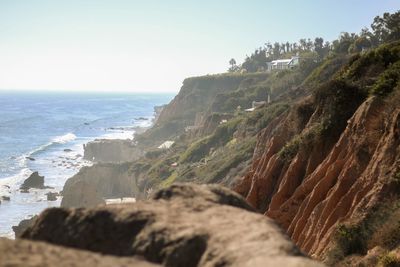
[(283, 64)]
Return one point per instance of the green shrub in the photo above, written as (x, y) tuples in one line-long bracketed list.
[(289, 151), (389, 260), (305, 139), (351, 239), (387, 81), (155, 153), (339, 100), (374, 61)]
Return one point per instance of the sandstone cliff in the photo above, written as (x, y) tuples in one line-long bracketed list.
[(91, 185), (327, 170)]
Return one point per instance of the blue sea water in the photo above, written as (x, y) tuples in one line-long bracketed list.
[(45, 132)]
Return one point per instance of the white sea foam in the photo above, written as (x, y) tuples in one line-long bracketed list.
[(64, 138), (10, 184)]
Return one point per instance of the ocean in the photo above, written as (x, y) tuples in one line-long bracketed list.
[(45, 132)]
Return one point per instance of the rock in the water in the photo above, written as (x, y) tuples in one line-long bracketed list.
[(23, 225), (141, 119), (30, 158), (52, 196), (5, 198), (33, 181), (23, 253), (67, 150), (24, 190), (184, 225)]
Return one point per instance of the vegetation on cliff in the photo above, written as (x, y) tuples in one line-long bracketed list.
[(321, 158)]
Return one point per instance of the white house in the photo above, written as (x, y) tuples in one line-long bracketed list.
[(283, 64), (166, 145)]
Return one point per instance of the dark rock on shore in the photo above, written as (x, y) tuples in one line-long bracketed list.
[(184, 225), (52, 196), (23, 225), (23, 253), (34, 181), (5, 198), (141, 119)]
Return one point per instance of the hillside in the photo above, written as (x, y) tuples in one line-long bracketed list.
[(321, 158), (319, 154)]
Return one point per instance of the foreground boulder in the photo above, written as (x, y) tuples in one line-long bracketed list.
[(23, 225), (23, 253), (184, 225)]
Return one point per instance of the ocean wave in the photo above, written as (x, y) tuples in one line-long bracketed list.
[(64, 138), (13, 181)]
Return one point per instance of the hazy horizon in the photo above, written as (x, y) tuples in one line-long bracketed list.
[(132, 46)]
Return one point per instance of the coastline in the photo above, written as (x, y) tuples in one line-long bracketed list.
[(72, 161)]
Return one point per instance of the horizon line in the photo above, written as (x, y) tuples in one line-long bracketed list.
[(33, 90)]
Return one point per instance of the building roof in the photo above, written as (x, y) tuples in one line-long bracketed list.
[(166, 145), (284, 61)]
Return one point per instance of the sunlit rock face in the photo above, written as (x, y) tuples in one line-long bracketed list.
[(326, 183)]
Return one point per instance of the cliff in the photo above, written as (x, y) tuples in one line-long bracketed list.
[(184, 225), (326, 170), (198, 98), (321, 158), (103, 150), (91, 185)]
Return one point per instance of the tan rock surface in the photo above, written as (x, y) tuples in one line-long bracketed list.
[(24, 253), (184, 225)]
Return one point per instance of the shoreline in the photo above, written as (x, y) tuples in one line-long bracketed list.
[(36, 201)]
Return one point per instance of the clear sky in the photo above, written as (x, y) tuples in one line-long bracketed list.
[(151, 46)]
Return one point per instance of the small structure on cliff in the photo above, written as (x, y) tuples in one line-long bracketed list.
[(283, 64), (256, 104), (166, 145)]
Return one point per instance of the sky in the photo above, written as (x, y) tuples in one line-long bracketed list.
[(152, 46)]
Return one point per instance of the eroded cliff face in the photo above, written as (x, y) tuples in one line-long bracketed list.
[(325, 183), (91, 185), (116, 151)]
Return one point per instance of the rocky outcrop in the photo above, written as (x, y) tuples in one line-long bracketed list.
[(92, 184), (23, 225), (184, 225), (24, 253), (34, 181), (324, 184), (199, 93), (52, 196), (80, 193), (103, 150)]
